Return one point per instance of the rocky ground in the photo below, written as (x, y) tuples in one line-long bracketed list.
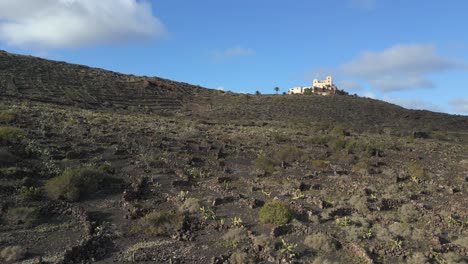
[(197, 185)]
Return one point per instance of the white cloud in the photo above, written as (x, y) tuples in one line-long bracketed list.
[(400, 67), (363, 4), (370, 95), (413, 103), (232, 53), (76, 23), (349, 85), (221, 88), (460, 105), (404, 83)]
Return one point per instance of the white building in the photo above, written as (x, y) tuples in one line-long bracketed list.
[(324, 87), (324, 83), (298, 89)]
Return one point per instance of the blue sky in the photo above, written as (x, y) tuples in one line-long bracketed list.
[(412, 53)]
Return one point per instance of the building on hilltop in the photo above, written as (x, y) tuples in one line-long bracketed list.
[(328, 82), (325, 87)]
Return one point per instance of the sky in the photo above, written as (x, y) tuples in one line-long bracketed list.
[(410, 53)]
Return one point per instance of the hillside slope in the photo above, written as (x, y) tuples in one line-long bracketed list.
[(359, 113), (30, 78), (36, 79)]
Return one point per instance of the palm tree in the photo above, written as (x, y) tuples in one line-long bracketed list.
[(276, 89)]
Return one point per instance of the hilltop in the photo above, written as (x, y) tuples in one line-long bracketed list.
[(40, 80), (97, 166)]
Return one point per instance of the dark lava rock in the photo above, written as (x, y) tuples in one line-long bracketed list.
[(181, 183), (7, 158), (282, 230), (255, 203), (420, 134), (223, 200)]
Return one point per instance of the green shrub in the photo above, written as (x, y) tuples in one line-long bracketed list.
[(319, 140), (161, 223), (265, 164), (409, 213), (31, 193), (279, 137), (10, 172), (191, 205), (338, 144), (7, 116), (13, 253), (235, 236), (416, 171), (74, 183), (275, 212), (418, 258), (240, 257), (363, 165), (23, 215), (288, 153), (339, 131), (320, 242), (11, 134), (320, 164)]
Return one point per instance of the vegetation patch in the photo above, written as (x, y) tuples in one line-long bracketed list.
[(320, 140), (320, 242), (416, 171), (23, 215), (13, 253), (320, 164), (31, 193), (288, 153), (160, 223), (265, 164), (7, 116), (11, 134), (275, 212), (74, 183)]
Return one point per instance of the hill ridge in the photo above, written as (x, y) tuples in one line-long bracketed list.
[(61, 83), (37, 79)]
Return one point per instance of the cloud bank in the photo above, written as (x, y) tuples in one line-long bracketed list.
[(399, 67), (414, 103), (231, 53), (76, 23), (460, 105)]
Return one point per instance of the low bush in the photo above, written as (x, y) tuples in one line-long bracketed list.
[(338, 144), (319, 140), (279, 137), (275, 212), (23, 215), (265, 164), (235, 237), (339, 131), (418, 258), (320, 242), (11, 134), (288, 153), (240, 257), (13, 253), (191, 205), (416, 171), (161, 223), (7, 116), (363, 166), (30, 193), (409, 213), (320, 164), (74, 183)]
